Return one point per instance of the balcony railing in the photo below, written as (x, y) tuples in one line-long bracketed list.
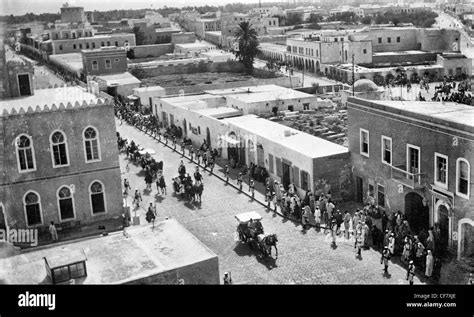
[(412, 180)]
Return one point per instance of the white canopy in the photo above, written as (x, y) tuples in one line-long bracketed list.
[(246, 216)]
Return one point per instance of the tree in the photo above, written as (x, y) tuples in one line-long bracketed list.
[(314, 18), (246, 37), (366, 20), (139, 35), (294, 19)]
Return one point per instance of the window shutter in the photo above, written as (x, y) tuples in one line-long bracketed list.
[(278, 167), (296, 176)]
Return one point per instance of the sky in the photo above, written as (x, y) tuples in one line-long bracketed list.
[(20, 7)]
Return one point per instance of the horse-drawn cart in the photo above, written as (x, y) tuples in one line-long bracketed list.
[(250, 231)]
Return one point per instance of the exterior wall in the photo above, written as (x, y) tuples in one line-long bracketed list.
[(153, 35), (68, 45), (213, 38), (200, 273), (297, 161), (183, 38), (156, 50), (71, 33), (404, 58), (118, 62), (456, 67), (15, 69), (280, 81), (333, 170), (72, 15), (408, 39), (430, 138), (266, 106), (145, 95), (162, 109), (46, 180)]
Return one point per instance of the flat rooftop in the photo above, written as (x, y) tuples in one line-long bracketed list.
[(195, 45), (115, 259), (449, 114), (219, 112), (49, 96), (120, 79), (71, 61), (298, 141), (260, 93), (409, 52)]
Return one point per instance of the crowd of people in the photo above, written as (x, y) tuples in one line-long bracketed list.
[(395, 238), (449, 91)]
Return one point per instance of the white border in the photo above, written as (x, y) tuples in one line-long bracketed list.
[(59, 206), (383, 150), (40, 208), (360, 142), (468, 179), (98, 144), (32, 153), (445, 185), (103, 195), (52, 152)]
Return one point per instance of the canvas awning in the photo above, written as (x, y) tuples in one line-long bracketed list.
[(229, 140), (132, 97)]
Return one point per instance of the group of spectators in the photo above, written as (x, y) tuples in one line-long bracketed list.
[(449, 91)]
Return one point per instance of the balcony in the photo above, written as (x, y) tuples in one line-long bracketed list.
[(412, 180)]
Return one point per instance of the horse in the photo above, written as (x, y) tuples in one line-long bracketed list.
[(198, 189), (265, 243), (189, 192)]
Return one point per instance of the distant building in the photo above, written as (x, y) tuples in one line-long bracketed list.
[(72, 14), (417, 157), (107, 60)]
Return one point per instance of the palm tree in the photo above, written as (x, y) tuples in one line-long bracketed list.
[(246, 37)]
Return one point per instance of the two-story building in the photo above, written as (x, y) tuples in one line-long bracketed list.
[(58, 157), (417, 157)]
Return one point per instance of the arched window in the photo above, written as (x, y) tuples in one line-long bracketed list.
[(97, 197), (463, 175), (59, 149), (33, 209), (25, 154), (91, 143), (66, 203)]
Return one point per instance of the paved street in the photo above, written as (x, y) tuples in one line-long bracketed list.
[(305, 257)]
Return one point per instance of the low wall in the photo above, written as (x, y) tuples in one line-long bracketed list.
[(156, 50), (280, 81), (191, 68), (404, 58)]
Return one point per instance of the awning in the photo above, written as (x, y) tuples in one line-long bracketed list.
[(229, 139), (132, 97)]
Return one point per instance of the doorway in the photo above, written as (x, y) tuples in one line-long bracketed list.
[(260, 156), (3, 218), (185, 128), (24, 84), (417, 214), (443, 222), (359, 190), (208, 137), (286, 175)]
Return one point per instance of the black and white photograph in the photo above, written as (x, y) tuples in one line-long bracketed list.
[(235, 149)]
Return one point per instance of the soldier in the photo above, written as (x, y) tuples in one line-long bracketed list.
[(334, 232), (211, 163), (226, 171), (239, 181), (411, 272), (391, 244), (181, 168), (268, 195), (126, 184), (252, 188), (359, 242), (197, 175), (174, 142), (227, 279), (137, 199), (182, 147), (385, 258)]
